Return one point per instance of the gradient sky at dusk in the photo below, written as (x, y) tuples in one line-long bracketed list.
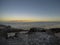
[(35, 10)]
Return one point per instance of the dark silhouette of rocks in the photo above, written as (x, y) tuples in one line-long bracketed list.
[(8, 27), (16, 34), (4, 30), (3, 33), (3, 25), (35, 36), (55, 30), (49, 32), (37, 30)]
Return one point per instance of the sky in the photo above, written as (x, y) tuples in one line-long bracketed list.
[(33, 10)]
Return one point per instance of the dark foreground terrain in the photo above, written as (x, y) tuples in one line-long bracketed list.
[(34, 36)]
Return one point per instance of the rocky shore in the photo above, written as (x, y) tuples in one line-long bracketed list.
[(34, 36)]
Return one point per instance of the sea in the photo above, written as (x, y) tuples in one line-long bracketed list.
[(28, 25)]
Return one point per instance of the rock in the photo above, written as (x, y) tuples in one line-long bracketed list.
[(55, 30), (36, 30), (8, 27), (11, 37), (20, 35), (49, 32), (17, 35), (35, 38), (3, 41), (3, 34), (42, 38)]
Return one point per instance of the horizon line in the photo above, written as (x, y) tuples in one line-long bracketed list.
[(27, 21)]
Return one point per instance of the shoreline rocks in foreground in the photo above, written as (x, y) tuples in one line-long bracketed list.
[(34, 36)]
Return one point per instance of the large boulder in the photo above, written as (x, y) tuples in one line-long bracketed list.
[(55, 30), (37, 30)]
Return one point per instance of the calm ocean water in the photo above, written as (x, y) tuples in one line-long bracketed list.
[(28, 25)]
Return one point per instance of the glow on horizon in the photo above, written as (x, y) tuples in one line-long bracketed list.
[(30, 10), (29, 19)]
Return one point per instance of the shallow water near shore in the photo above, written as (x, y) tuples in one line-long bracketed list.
[(28, 25)]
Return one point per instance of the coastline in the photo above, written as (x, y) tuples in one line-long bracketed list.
[(14, 36)]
